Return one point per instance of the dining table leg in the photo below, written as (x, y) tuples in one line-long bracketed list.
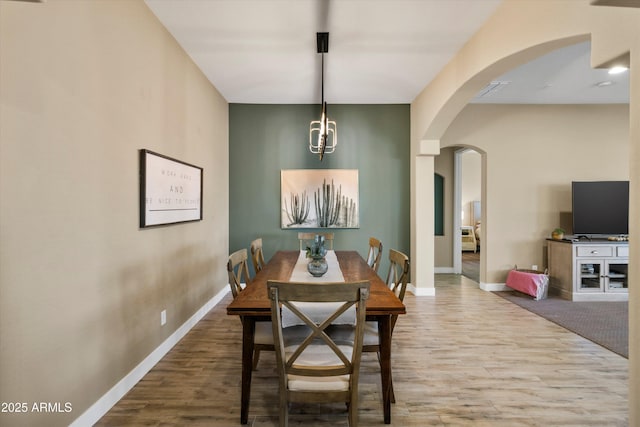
[(248, 333), (384, 332)]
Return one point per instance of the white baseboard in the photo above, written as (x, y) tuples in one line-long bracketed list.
[(444, 270), (421, 292), (110, 398), (494, 287)]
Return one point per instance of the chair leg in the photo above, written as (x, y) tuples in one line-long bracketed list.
[(353, 411), (256, 358), (284, 409)]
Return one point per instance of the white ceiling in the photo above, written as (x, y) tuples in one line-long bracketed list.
[(563, 76), (380, 51)]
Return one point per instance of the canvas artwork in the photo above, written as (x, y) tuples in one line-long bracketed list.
[(319, 198), (170, 190)]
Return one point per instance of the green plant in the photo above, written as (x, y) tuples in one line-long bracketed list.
[(559, 231), (317, 249)]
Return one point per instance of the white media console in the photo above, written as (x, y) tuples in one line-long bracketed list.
[(589, 270)]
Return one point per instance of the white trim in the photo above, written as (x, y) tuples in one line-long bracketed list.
[(444, 270), (421, 292), (457, 209), (110, 398), (493, 287), (429, 147)]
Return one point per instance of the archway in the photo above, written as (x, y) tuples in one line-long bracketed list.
[(520, 31), (467, 212)]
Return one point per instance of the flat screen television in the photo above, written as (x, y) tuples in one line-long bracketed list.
[(600, 207)]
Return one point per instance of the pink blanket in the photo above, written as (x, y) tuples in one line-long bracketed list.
[(529, 282)]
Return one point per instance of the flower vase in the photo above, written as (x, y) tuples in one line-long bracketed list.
[(317, 266)]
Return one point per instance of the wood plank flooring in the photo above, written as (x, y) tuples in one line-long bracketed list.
[(463, 358), (471, 265)]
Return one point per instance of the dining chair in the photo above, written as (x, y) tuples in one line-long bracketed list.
[(397, 277), (257, 255), (375, 253), (306, 238), (318, 368), (238, 270)]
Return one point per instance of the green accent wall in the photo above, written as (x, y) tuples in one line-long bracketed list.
[(264, 139)]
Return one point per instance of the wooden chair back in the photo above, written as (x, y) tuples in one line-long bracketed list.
[(307, 238), (318, 368), (375, 253), (397, 279), (257, 256), (397, 276), (238, 270)]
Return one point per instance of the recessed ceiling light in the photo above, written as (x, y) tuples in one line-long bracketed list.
[(617, 70), (604, 83), (492, 88)]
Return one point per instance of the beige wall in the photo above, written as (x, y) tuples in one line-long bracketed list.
[(533, 152), (634, 230), (83, 86)]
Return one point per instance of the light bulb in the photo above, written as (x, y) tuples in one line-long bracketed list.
[(617, 69)]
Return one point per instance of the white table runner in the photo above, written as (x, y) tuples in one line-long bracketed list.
[(301, 274), (317, 312)]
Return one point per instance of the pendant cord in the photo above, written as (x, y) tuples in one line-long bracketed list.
[(322, 78), (323, 47)]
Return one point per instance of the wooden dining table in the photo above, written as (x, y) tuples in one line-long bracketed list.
[(253, 304)]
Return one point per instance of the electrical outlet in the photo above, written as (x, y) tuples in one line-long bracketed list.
[(534, 267), (163, 317)]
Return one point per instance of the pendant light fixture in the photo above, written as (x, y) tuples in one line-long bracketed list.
[(323, 133)]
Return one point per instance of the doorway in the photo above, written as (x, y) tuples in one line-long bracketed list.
[(467, 212)]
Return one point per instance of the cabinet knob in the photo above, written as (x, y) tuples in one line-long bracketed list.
[(594, 252)]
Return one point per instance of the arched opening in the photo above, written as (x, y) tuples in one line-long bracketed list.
[(531, 173), (428, 146), (491, 53), (468, 200), (462, 170)]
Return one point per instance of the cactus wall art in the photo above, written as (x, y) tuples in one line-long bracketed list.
[(319, 198)]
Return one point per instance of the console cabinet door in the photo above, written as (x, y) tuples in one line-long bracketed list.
[(617, 276), (590, 275)]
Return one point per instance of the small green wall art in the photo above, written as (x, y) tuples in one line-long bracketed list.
[(319, 198)]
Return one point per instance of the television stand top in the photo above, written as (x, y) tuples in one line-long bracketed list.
[(596, 238)]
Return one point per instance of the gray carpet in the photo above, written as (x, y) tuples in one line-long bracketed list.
[(603, 322)]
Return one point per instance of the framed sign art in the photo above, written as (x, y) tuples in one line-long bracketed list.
[(319, 198), (170, 190)]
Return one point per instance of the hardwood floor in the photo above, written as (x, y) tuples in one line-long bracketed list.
[(463, 358), (471, 265)]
